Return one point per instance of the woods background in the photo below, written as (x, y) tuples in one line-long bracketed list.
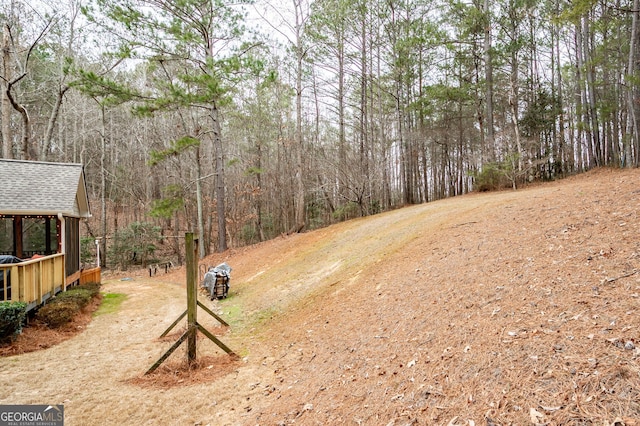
[(245, 121)]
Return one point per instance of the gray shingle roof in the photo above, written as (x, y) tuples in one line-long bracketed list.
[(33, 188)]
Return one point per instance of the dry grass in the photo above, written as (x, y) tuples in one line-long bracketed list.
[(510, 308)]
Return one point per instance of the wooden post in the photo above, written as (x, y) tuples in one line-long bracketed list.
[(192, 255), (17, 235), (191, 246)]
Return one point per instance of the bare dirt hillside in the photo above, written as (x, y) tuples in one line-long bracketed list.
[(509, 308)]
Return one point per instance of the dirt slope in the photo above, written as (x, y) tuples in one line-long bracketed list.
[(488, 309)]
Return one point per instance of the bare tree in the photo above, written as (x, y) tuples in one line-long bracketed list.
[(5, 103), (294, 32), (21, 56)]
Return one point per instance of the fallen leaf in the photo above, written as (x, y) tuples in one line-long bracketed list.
[(551, 408), (536, 417)]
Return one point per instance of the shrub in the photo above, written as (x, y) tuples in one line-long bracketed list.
[(80, 296), (249, 233), (495, 176), (135, 245), (346, 211), (93, 288), (490, 178), (87, 250), (56, 314), (12, 316), (62, 308)]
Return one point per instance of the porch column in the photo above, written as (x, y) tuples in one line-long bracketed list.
[(62, 231), (17, 235)]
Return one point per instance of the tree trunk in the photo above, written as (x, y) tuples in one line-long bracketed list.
[(46, 143), (259, 197), (594, 125), (202, 249), (567, 154), (103, 186), (582, 115), (488, 68), (342, 143), (220, 190), (514, 101), (631, 137), (5, 104), (299, 208), (364, 157), (27, 152)]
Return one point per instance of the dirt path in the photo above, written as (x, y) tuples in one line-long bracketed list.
[(486, 306)]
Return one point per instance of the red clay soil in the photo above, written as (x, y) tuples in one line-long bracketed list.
[(510, 308)]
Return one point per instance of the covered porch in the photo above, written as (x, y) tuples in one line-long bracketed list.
[(36, 280), (40, 214)]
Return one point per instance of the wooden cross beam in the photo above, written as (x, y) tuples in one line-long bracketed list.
[(191, 312)]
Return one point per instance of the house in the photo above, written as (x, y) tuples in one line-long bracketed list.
[(41, 206)]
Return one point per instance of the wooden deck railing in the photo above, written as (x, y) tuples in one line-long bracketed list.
[(92, 275), (33, 281)]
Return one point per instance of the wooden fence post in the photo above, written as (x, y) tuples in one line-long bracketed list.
[(192, 300), (191, 248)]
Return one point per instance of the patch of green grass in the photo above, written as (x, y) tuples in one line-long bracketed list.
[(241, 321), (265, 315), (110, 303), (231, 313)]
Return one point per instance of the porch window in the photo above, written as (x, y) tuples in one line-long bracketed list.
[(24, 236), (6, 236), (39, 236)]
